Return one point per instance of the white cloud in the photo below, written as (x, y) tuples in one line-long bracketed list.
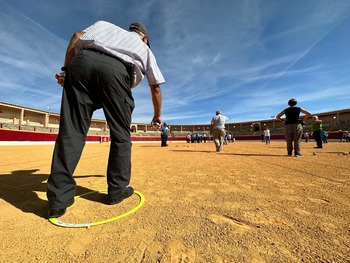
[(246, 57)]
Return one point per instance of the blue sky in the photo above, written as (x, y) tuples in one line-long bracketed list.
[(244, 57)]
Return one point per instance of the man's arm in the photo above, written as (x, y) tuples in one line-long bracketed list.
[(70, 53), (157, 103), (211, 127)]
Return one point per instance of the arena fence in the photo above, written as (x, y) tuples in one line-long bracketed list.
[(37, 136)]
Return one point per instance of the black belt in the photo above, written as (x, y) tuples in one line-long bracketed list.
[(104, 53), (129, 66)]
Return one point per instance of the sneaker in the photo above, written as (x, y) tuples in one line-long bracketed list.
[(298, 155), (127, 193)]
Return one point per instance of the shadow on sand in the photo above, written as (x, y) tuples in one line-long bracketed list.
[(20, 188)]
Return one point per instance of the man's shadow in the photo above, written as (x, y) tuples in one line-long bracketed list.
[(20, 189)]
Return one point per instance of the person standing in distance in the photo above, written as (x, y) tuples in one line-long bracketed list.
[(217, 128), (340, 135), (317, 131), (102, 64), (293, 126), (267, 135), (164, 131)]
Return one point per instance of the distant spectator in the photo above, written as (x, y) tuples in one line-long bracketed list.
[(229, 137), (306, 136), (205, 137), (325, 137), (267, 135), (340, 135), (164, 132), (198, 138), (262, 136), (233, 138), (188, 137), (193, 138), (317, 131), (225, 137)]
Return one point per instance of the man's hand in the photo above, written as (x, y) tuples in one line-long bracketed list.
[(60, 78), (70, 53), (156, 121)]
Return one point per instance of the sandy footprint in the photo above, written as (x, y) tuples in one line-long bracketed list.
[(80, 244), (236, 223), (173, 252), (302, 211), (179, 252), (154, 253), (319, 200)]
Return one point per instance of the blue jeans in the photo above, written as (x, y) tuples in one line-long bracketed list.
[(164, 138)]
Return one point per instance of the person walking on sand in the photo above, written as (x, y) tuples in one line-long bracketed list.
[(102, 64), (217, 128), (293, 126)]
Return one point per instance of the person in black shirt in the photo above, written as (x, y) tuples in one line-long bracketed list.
[(293, 126)]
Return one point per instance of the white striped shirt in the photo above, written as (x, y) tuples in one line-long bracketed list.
[(219, 121), (126, 45)]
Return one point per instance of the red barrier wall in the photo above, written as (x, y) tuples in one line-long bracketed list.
[(17, 135)]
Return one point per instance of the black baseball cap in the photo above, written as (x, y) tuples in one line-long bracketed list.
[(138, 26)]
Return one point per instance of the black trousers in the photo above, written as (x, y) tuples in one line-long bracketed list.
[(94, 80), (318, 138)]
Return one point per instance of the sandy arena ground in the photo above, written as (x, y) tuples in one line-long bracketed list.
[(250, 203)]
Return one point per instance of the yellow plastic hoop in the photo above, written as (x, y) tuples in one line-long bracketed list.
[(57, 222)]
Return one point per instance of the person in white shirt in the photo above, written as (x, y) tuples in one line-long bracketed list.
[(267, 135), (102, 64), (217, 129)]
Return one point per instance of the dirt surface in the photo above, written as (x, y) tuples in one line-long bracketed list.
[(250, 203)]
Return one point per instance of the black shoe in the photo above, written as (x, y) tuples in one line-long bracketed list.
[(127, 193), (54, 213)]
